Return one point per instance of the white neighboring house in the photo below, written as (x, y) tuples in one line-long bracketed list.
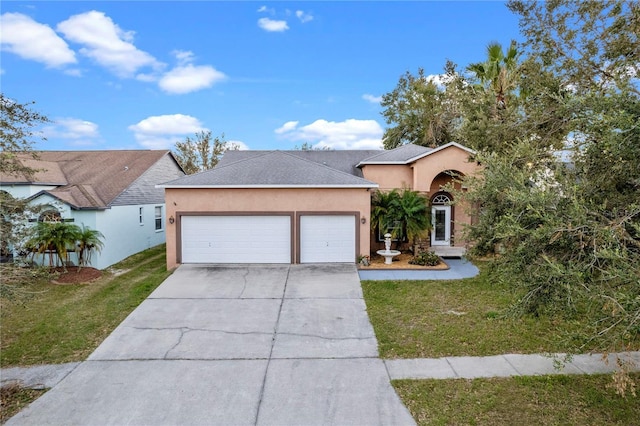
[(113, 192)]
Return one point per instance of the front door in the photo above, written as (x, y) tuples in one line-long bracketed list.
[(441, 225)]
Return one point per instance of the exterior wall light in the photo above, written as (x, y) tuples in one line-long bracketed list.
[(363, 220), (171, 220)]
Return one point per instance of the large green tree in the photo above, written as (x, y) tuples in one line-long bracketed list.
[(567, 234), (419, 111), (18, 133), (202, 152)]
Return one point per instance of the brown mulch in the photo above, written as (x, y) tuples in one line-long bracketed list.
[(75, 276), (400, 261)]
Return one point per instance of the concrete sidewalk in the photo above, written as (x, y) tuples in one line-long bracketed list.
[(466, 367), (458, 269)]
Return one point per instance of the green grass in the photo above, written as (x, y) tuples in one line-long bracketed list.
[(65, 323), (542, 400), (429, 319)]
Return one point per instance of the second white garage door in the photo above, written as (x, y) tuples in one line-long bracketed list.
[(236, 239), (330, 238)]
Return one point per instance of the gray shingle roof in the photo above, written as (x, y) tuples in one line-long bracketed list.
[(273, 168), (344, 160), (400, 155)]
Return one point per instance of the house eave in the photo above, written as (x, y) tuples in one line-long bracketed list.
[(265, 186)]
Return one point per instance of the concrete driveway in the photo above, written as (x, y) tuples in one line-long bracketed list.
[(234, 345)]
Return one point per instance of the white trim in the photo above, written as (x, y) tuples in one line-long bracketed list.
[(447, 225), (373, 185), (417, 157), (440, 148)]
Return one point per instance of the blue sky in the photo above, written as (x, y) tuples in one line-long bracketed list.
[(269, 75)]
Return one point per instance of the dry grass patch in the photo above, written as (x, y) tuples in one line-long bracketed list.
[(14, 398)]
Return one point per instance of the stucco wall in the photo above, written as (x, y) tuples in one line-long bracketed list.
[(179, 201), (451, 158), (24, 191), (389, 176), (123, 234)]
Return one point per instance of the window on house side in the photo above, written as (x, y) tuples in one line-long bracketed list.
[(158, 218), (141, 215)]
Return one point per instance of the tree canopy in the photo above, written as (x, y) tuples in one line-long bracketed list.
[(554, 121), (202, 152), (17, 123)]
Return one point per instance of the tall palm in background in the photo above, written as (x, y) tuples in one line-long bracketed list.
[(498, 72)]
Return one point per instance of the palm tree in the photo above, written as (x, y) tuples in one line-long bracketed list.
[(406, 214), (384, 210), (415, 215), (88, 241), (498, 71), (58, 237)]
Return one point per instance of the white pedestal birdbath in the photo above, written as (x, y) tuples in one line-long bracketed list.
[(387, 252)]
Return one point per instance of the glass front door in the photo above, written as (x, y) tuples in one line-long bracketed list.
[(441, 225)]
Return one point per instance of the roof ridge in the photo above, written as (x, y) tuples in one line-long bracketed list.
[(217, 167), (325, 166), (384, 151)]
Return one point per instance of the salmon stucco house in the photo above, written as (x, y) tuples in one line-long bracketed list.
[(305, 206)]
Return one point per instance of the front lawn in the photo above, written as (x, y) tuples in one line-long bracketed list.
[(543, 400), (431, 319), (53, 323)]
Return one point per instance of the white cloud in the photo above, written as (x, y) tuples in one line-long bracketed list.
[(183, 56), (31, 40), (373, 99), (303, 16), (264, 9), (106, 43), (189, 78), (348, 134), (80, 132), (241, 145), (163, 131), (271, 25), (288, 126), (439, 79)]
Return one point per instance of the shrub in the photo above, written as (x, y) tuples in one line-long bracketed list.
[(426, 258)]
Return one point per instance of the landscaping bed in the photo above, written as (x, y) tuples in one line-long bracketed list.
[(73, 275), (400, 261)]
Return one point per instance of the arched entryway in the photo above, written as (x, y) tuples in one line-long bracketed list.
[(441, 213)]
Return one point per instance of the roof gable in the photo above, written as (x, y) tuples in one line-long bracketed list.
[(400, 155), (92, 179), (410, 153), (270, 169)]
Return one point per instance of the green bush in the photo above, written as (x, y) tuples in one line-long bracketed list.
[(426, 258)]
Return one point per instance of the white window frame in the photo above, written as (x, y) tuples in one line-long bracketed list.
[(158, 218)]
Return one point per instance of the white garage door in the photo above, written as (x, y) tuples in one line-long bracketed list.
[(236, 239), (329, 238)]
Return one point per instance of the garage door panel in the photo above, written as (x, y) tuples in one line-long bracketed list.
[(327, 238), (236, 239)]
